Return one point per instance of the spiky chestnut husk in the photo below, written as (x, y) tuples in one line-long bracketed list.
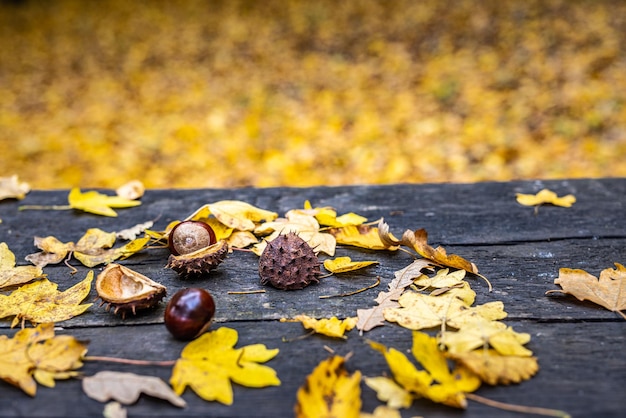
[(124, 290), (289, 263), (199, 262), (189, 236)]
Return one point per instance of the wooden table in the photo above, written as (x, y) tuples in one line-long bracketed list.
[(579, 345)]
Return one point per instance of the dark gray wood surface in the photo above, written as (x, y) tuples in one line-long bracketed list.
[(579, 345)]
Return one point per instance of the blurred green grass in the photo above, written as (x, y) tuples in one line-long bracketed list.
[(287, 92)]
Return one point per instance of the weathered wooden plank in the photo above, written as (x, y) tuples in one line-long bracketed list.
[(581, 372)]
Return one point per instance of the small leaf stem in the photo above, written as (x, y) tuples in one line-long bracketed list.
[(45, 207), (518, 408), (166, 363)]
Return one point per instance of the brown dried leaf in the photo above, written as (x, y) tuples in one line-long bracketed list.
[(127, 387)]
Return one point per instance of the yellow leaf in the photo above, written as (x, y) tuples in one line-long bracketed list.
[(37, 352), (387, 390), (132, 190), (345, 264), (418, 240), (545, 196), (53, 251), (40, 302), (209, 363), (329, 391), (331, 327), (418, 311), (608, 291), (12, 188), (241, 239), (382, 411), (436, 382), (98, 203), (10, 275), (363, 236), (494, 368), (239, 215)]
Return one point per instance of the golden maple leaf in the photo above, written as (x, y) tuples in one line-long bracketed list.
[(235, 214), (545, 196), (608, 291), (12, 188), (494, 368), (10, 275), (37, 352), (502, 338), (209, 363), (98, 203), (41, 302), (331, 327), (93, 248), (363, 236), (436, 382), (345, 264), (330, 391)]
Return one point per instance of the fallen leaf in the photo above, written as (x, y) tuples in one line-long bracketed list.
[(114, 410), (98, 203), (239, 215), (127, 387), (330, 391), (10, 275), (608, 291), (37, 352), (363, 236), (132, 190), (494, 368), (436, 382), (331, 327), (41, 302), (241, 239), (345, 264), (93, 248), (131, 233), (418, 311), (12, 188), (418, 240), (210, 362), (545, 196), (387, 390), (382, 411), (373, 317), (502, 338)]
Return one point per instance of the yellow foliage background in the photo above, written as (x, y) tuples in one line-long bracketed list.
[(285, 92)]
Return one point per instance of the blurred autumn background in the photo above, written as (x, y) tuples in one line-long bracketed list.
[(288, 92)]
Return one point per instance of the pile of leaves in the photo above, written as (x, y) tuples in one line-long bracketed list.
[(294, 92)]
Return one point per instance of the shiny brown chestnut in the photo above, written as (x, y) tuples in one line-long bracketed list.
[(189, 313), (190, 236)]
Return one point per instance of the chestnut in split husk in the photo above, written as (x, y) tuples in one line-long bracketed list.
[(190, 236), (189, 313)]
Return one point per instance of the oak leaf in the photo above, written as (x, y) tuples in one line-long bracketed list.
[(12, 188), (209, 363), (494, 368), (37, 354), (373, 317), (98, 203), (41, 302), (331, 327), (608, 291), (345, 264), (127, 387), (10, 275), (545, 196), (418, 311), (330, 391)]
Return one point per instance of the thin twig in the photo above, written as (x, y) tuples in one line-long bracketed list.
[(518, 408), (245, 292), (44, 207), (166, 363), (354, 292)]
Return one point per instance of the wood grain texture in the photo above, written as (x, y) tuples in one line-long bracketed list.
[(520, 252)]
